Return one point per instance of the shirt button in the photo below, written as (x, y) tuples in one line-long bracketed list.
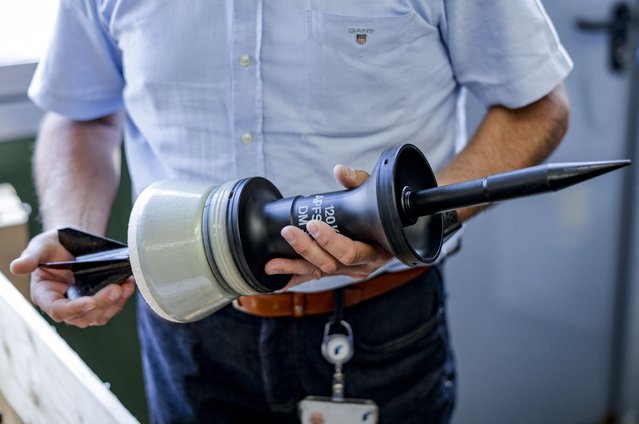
[(247, 138), (245, 60)]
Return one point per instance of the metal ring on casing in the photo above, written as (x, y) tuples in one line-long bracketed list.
[(399, 167), (219, 241), (210, 257)]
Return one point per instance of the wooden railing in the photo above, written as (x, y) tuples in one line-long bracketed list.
[(41, 377)]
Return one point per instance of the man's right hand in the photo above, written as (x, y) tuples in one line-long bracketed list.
[(49, 286)]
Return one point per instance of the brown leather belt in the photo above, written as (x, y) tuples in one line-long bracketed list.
[(300, 304)]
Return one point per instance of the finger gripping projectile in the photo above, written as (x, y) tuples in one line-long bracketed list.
[(194, 247)]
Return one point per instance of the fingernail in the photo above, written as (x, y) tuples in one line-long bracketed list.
[(348, 172), (113, 296), (288, 235), (13, 264), (313, 228), (126, 292)]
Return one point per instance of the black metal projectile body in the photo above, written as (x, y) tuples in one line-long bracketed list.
[(399, 208), (98, 262), (370, 213)]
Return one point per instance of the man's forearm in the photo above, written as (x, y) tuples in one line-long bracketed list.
[(77, 171), (509, 139)]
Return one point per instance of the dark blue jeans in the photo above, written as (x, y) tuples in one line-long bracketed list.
[(235, 368)]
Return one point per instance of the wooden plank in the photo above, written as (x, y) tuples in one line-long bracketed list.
[(14, 233), (41, 377)]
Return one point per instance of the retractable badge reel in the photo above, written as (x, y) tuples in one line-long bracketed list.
[(337, 349)]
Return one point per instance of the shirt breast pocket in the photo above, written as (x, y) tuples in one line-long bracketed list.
[(361, 70)]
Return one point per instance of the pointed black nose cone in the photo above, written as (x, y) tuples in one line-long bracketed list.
[(565, 175), (508, 185)]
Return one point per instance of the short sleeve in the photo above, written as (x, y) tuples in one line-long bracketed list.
[(505, 52), (80, 74)]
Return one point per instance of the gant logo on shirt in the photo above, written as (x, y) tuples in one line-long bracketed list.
[(361, 34)]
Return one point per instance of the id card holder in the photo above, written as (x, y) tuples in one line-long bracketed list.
[(324, 410), (337, 349)]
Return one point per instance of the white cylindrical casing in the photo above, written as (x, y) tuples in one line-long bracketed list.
[(167, 251)]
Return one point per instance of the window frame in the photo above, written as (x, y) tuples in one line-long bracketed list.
[(19, 117)]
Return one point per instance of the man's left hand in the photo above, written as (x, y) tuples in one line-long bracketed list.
[(325, 252)]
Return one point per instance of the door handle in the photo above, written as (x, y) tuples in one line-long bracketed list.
[(618, 28)]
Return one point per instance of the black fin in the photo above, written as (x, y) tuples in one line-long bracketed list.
[(90, 283), (98, 262), (79, 243)]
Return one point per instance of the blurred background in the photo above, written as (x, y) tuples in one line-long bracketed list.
[(543, 296), (112, 351), (543, 299)]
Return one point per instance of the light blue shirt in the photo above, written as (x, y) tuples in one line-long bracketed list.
[(221, 90)]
